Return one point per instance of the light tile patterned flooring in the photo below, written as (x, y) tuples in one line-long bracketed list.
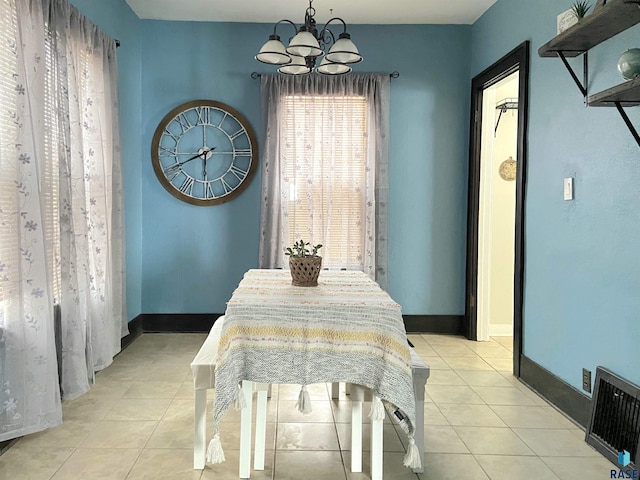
[(137, 423)]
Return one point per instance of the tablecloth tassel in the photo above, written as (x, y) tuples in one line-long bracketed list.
[(215, 454), (412, 458), (377, 409), (240, 402), (304, 401)]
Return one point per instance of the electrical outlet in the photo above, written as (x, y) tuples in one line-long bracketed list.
[(586, 380)]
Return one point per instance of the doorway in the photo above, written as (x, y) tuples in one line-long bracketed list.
[(496, 216), (495, 223)]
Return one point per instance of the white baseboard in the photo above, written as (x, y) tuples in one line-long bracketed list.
[(500, 330)]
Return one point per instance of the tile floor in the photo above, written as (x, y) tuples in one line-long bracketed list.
[(136, 423)]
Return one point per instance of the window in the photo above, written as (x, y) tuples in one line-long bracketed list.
[(49, 164), (60, 210), (323, 155), (325, 169)]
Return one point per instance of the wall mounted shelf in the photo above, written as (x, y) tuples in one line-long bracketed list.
[(627, 93), (605, 22)]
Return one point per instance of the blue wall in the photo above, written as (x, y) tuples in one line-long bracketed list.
[(428, 161), (582, 269), (193, 257), (117, 20)]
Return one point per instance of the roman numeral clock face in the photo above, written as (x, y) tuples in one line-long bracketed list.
[(204, 152)]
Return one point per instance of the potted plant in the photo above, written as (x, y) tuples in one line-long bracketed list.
[(304, 263), (580, 9)]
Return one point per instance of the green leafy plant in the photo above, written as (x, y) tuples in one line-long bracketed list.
[(300, 250), (580, 9)]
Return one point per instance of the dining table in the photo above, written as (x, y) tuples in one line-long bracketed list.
[(345, 329)]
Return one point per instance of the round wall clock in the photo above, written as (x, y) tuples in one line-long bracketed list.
[(204, 152)]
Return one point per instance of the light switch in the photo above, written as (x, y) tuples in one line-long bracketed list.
[(568, 188)]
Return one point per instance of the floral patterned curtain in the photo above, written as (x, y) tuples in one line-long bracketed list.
[(316, 138), (60, 210)]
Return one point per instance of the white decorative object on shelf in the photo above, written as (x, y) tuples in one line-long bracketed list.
[(565, 20)]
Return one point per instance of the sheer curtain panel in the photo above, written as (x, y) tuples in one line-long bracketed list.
[(61, 225), (324, 172)]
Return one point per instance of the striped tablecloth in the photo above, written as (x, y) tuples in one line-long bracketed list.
[(347, 329)]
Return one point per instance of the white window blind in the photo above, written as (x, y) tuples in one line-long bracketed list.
[(324, 147), (8, 63), (50, 181)]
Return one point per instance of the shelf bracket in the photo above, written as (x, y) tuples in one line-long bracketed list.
[(584, 85), (495, 130), (630, 126), (503, 106)]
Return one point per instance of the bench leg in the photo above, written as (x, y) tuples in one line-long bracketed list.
[(356, 436), (335, 391), (357, 397), (200, 432), (261, 426), (419, 434), (245, 430), (376, 449), (418, 387)]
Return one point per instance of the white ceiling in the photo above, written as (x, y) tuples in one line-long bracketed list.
[(352, 11)]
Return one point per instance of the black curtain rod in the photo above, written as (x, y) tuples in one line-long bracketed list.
[(256, 75)]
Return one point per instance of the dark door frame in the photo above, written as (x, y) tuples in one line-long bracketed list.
[(517, 59)]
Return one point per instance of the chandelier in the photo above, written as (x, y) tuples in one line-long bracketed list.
[(308, 45)]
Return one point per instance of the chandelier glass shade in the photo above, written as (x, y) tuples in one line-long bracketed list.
[(296, 66), (308, 45), (304, 44), (330, 68), (273, 52)]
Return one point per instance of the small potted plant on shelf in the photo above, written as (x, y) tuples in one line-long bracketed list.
[(580, 9), (304, 263)]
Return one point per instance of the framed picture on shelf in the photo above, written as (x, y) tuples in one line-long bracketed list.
[(565, 20)]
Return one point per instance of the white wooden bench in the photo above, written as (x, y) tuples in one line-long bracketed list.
[(203, 368)]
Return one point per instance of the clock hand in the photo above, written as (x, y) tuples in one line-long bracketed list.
[(204, 164), (178, 165), (205, 152), (210, 151)]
